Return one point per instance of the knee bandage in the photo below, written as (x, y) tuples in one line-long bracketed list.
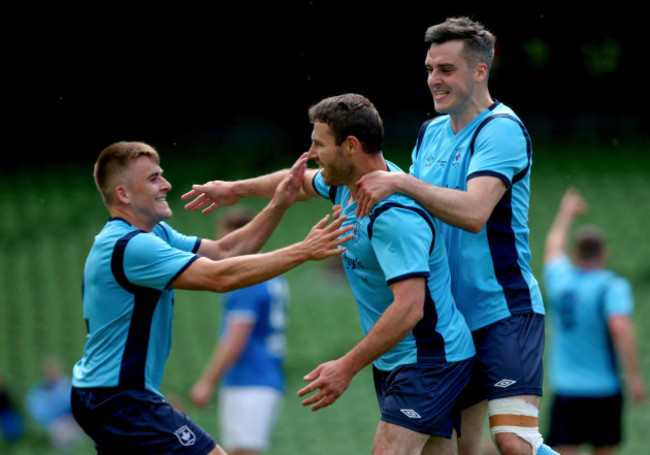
[(514, 415)]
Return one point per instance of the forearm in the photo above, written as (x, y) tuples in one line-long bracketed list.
[(241, 271), (467, 210), (399, 318), (253, 236), (556, 239), (227, 353)]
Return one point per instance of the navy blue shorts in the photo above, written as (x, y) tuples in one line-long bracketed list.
[(136, 421), (423, 397), (509, 356), (582, 420)]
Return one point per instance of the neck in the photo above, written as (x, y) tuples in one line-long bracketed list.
[(473, 109), (369, 164)]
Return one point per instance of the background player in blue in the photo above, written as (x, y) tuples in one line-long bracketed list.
[(418, 342), (249, 358), (592, 334), (128, 300), (471, 170)]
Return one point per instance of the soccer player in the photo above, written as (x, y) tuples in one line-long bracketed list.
[(418, 342), (592, 335), (134, 265), (249, 358)]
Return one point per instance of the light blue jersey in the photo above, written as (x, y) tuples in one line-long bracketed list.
[(490, 272), (397, 241), (266, 305), (128, 304), (582, 357)]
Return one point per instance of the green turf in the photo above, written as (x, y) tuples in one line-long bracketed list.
[(49, 219)]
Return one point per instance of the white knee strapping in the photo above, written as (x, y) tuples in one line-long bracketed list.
[(515, 415)]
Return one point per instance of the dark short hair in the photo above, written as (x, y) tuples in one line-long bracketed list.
[(589, 243), (479, 42), (351, 115)]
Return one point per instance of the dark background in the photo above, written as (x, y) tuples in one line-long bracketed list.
[(235, 73)]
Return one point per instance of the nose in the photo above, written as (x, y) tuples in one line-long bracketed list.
[(312, 153), (165, 184)]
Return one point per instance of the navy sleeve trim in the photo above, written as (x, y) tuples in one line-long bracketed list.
[(408, 276), (498, 175), (381, 209), (182, 269)]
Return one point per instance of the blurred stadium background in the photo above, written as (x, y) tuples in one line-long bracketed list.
[(223, 94)]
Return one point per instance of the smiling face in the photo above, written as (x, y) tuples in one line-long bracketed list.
[(457, 86), (337, 170), (145, 193)]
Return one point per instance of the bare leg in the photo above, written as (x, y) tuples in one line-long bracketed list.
[(471, 429), (391, 439)]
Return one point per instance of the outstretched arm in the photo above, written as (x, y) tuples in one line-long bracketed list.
[(571, 206), (243, 271), (252, 237), (332, 378), (468, 210), (219, 193)]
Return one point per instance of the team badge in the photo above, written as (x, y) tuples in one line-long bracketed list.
[(185, 436)]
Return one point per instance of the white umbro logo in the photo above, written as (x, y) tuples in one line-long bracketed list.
[(505, 383), (411, 414)]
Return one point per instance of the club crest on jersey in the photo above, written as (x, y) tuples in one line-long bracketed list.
[(185, 436), (455, 162), (355, 230)]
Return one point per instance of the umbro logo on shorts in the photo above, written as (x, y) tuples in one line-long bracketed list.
[(411, 414), (505, 383)]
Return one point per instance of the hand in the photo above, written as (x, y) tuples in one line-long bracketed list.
[(572, 203), (636, 388), (201, 394), (289, 188), (336, 211), (210, 196), (324, 241), (331, 379), (373, 187)]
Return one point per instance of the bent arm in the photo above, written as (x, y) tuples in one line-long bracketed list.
[(332, 378), (468, 210)]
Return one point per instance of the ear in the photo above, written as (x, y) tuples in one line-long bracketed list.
[(481, 72), (350, 146), (122, 195)]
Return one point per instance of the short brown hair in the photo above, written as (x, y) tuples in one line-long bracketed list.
[(351, 115), (113, 160), (479, 42), (589, 244)]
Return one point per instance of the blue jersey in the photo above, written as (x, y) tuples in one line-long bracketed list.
[(128, 304), (397, 241), (582, 360), (490, 272), (266, 305)]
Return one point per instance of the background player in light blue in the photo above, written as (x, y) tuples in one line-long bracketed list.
[(592, 336), (248, 359), (134, 265), (418, 342)]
